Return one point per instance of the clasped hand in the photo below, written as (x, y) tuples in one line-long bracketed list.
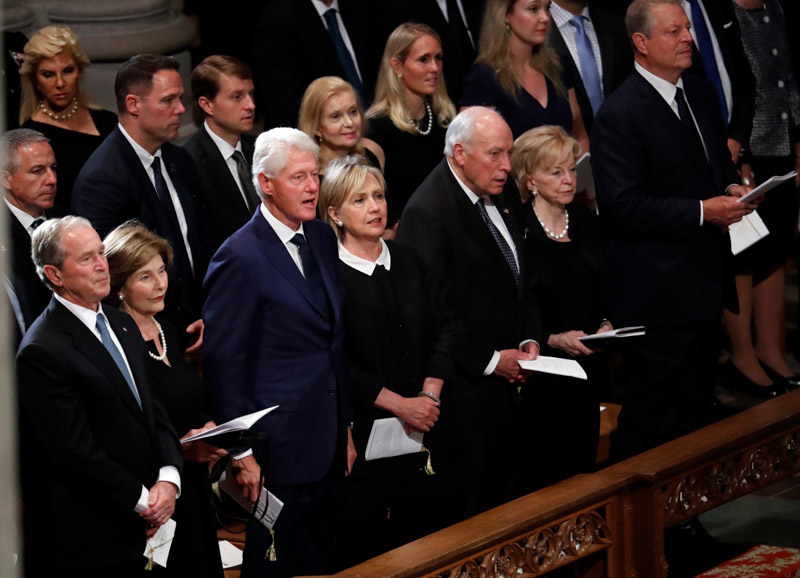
[(508, 366)]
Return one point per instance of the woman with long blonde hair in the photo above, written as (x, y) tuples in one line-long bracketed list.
[(519, 74), (54, 103), (411, 111)]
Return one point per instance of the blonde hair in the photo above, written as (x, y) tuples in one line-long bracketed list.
[(317, 94), (345, 176), (48, 42), (493, 50), (541, 147), (390, 93)]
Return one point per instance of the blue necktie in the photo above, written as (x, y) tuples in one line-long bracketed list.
[(350, 72), (108, 343), (508, 254), (312, 274), (589, 73), (706, 49)]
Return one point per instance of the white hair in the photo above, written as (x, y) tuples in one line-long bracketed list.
[(462, 128), (272, 151)]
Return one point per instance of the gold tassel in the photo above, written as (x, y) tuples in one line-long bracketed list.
[(428, 466), (271, 555), (149, 565)]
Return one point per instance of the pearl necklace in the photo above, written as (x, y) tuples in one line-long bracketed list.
[(429, 114), (551, 234), (163, 343), (65, 116)]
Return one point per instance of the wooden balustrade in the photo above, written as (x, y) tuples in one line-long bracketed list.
[(611, 523)]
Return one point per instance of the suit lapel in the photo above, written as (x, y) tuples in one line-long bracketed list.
[(93, 350), (666, 117), (276, 252), (325, 268), (221, 176)]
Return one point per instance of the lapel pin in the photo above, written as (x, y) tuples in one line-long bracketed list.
[(125, 329), (505, 211)]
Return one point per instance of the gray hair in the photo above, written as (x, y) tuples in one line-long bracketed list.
[(272, 151), (462, 128), (639, 17), (46, 248), (12, 141)]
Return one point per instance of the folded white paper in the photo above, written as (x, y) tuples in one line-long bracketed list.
[(388, 438), (238, 424), (555, 366), (159, 545), (747, 232), (766, 186), (267, 500), (634, 331), (230, 554)]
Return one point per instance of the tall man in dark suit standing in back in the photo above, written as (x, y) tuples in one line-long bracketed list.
[(666, 188), (100, 461), (470, 245), (29, 183), (222, 87), (594, 49), (137, 173), (274, 337)]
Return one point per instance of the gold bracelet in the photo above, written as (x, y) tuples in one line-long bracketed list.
[(431, 395)]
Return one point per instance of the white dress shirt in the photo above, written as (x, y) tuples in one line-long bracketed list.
[(89, 318), (285, 234), (443, 7), (226, 150), (561, 18), (24, 218), (321, 8), (147, 160)]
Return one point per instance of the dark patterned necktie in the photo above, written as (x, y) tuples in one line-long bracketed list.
[(500, 240), (312, 274)]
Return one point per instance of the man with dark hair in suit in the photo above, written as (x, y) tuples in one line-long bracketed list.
[(667, 189), (594, 49), (29, 182), (274, 336), (137, 173), (100, 462), (470, 245), (223, 154)]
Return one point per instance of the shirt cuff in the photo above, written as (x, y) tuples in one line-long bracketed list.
[(528, 341), (242, 455), (492, 363), (171, 474), (701, 213), (142, 504)]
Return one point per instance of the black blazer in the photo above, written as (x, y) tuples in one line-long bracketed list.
[(743, 84), (291, 48), (221, 205), (87, 446), (31, 293), (664, 269), (466, 268), (615, 54), (113, 187)]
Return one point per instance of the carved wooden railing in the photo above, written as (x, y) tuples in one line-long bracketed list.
[(611, 523)]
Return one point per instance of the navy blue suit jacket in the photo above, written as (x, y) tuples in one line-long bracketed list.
[(266, 344), (113, 187), (664, 268)]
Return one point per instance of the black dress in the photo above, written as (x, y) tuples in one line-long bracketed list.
[(562, 413), (395, 340), (410, 157), (73, 149), (180, 389), (483, 88)]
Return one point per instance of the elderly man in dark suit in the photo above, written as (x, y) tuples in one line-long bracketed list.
[(594, 49), (470, 245), (101, 464), (221, 150), (29, 182), (667, 192), (137, 173), (274, 337)]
